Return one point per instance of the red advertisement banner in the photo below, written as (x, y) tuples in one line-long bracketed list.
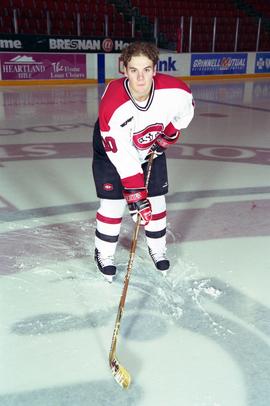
[(29, 66)]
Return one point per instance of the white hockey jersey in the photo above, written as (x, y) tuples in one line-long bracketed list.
[(129, 128)]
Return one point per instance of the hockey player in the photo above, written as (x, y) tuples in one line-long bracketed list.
[(139, 113)]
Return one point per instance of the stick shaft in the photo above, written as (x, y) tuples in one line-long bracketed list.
[(129, 267)]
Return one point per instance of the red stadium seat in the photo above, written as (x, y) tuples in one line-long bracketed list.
[(63, 14)]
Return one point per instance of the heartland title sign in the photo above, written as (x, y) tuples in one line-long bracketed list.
[(28, 66), (44, 43)]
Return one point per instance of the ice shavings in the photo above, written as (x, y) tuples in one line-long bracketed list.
[(203, 286), (198, 290)]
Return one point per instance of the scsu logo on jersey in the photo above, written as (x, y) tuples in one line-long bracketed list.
[(145, 138)]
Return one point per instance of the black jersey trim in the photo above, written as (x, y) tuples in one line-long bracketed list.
[(150, 98)]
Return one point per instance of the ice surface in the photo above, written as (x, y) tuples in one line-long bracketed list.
[(178, 338)]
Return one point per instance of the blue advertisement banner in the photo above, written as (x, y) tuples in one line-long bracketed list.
[(218, 64), (262, 63)]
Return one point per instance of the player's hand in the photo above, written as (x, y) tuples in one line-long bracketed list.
[(138, 204), (163, 141)]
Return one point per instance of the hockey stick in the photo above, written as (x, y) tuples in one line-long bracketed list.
[(120, 373)]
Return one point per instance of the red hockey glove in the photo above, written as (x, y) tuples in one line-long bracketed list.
[(138, 204), (163, 141)]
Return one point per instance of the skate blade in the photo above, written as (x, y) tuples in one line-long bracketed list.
[(108, 278)]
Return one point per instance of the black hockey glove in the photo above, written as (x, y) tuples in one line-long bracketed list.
[(138, 204)]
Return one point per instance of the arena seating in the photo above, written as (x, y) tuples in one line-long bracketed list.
[(203, 12), (261, 6), (60, 17), (32, 17)]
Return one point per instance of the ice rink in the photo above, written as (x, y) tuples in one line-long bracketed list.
[(200, 336)]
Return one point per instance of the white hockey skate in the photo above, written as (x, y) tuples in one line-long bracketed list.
[(105, 265), (162, 264)]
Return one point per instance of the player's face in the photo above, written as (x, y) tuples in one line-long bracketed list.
[(140, 71)]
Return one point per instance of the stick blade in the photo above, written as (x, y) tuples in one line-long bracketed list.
[(120, 374)]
